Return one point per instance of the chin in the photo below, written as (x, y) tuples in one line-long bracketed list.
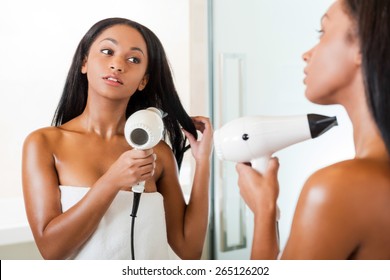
[(317, 97)]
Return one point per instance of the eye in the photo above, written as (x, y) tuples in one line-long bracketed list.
[(134, 60), (321, 33), (107, 51)]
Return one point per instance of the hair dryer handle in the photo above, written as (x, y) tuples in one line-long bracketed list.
[(260, 164), (139, 188)]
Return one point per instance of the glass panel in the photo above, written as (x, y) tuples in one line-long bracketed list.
[(232, 214)]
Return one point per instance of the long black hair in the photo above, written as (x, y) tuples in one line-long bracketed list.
[(372, 19), (159, 92)]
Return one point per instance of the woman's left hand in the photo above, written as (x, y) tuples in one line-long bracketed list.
[(201, 149)]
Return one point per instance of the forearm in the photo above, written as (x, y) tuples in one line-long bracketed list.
[(66, 233), (197, 211), (265, 237)]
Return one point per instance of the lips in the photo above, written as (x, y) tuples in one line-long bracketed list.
[(113, 79), (305, 76)]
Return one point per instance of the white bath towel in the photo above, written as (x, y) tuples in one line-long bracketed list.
[(111, 240)]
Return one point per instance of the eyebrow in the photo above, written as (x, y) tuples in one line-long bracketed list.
[(116, 43), (325, 16)]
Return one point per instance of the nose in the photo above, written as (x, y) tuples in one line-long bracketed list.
[(116, 65), (306, 55), (116, 68)]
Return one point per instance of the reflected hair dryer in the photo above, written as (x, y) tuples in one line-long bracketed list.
[(255, 139)]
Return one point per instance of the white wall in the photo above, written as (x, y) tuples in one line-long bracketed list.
[(38, 40)]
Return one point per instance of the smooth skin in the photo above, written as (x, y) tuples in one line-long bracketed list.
[(91, 151), (343, 209)]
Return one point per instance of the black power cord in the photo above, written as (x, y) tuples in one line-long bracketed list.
[(136, 199)]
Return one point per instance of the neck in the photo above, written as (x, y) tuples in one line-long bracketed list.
[(367, 138), (104, 117)]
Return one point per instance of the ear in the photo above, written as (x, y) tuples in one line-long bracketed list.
[(358, 58), (143, 82), (84, 66)]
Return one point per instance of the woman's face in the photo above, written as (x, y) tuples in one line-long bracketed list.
[(117, 62), (334, 62)]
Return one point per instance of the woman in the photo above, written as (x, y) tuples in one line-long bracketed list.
[(77, 175), (343, 210)]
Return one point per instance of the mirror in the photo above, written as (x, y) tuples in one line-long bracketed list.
[(270, 38)]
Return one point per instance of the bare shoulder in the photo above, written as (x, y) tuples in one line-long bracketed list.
[(44, 137), (166, 168), (339, 208), (351, 177), (163, 146), (164, 153), (351, 190)]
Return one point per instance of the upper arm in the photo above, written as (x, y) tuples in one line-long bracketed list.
[(40, 182), (169, 186), (322, 227)]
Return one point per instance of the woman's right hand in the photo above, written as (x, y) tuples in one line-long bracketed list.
[(132, 167), (259, 191)]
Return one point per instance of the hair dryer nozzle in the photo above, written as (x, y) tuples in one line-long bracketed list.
[(320, 124), (144, 129)]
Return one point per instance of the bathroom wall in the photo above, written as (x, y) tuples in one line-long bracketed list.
[(38, 42)]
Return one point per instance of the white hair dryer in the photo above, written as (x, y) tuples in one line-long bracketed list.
[(143, 130), (255, 139)]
